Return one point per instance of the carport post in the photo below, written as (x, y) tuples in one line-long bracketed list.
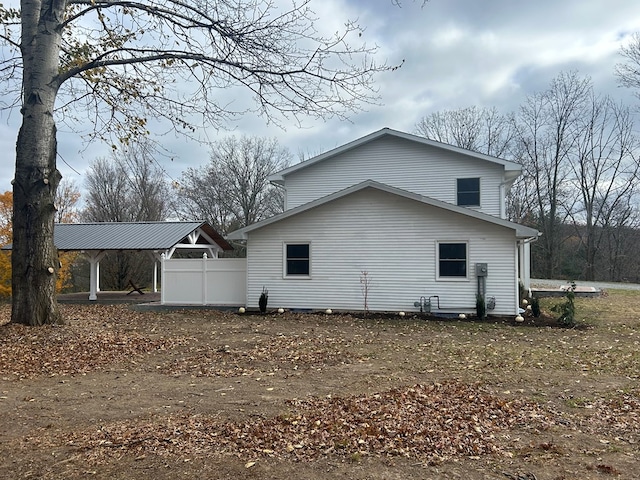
[(204, 279), (163, 258), (94, 272)]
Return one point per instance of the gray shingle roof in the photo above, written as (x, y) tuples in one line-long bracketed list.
[(128, 236)]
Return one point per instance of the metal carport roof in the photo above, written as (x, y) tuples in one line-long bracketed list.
[(96, 239), (153, 236)]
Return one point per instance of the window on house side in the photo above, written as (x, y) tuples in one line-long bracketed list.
[(452, 260), (469, 192), (297, 262)]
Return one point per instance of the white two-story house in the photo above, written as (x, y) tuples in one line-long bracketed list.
[(413, 223)]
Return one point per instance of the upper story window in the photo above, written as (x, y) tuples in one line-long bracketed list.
[(452, 260), (298, 260), (469, 192)]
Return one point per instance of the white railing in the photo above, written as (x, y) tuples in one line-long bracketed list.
[(204, 281)]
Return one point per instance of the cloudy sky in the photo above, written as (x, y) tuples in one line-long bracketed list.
[(457, 53)]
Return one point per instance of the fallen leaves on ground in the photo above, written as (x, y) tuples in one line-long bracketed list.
[(291, 351), (426, 422), (94, 336), (619, 414)]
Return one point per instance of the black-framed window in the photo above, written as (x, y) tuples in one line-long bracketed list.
[(452, 260), (297, 259), (468, 192)]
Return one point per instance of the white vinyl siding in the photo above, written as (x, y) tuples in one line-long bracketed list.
[(400, 163), (393, 239)]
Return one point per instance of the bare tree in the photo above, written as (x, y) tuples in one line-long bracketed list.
[(629, 72), (547, 132), (482, 130), (605, 171), (128, 187), (120, 63), (107, 185), (233, 190), (66, 202), (621, 236)]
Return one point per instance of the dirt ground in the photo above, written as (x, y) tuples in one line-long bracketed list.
[(118, 393)]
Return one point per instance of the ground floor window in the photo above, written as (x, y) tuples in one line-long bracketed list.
[(298, 263), (452, 260)]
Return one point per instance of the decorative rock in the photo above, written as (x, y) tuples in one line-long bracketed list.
[(462, 316), (328, 311), (241, 310), (281, 310), (519, 319), (525, 302), (50, 270), (401, 314)]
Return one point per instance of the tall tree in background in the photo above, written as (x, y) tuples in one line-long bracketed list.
[(629, 72), (547, 132), (66, 202), (580, 161), (233, 189), (622, 236), (128, 187), (482, 130), (605, 173), (122, 63)]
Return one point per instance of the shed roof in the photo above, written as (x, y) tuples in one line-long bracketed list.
[(129, 235)]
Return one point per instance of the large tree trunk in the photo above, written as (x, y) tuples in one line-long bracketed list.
[(34, 258)]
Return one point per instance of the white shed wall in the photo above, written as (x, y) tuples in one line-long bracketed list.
[(392, 238), (400, 163), (204, 281)]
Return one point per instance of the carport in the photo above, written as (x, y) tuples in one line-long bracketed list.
[(161, 240)]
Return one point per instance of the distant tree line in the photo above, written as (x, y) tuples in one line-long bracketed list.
[(581, 174)]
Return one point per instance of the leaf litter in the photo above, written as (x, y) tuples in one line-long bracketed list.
[(426, 422), (94, 337), (430, 422)]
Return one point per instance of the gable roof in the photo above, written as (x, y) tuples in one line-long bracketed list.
[(520, 230), (129, 235), (512, 169)]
